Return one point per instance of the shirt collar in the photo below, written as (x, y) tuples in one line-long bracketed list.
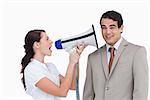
[(116, 45), (38, 62)]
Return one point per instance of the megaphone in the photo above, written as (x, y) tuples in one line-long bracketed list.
[(88, 38)]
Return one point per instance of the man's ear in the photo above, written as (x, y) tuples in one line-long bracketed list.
[(36, 45), (121, 28)]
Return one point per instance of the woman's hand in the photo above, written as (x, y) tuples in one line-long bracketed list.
[(80, 48), (76, 52), (74, 56)]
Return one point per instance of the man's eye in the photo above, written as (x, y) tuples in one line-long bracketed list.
[(112, 27), (104, 28)]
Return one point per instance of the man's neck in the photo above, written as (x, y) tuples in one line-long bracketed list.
[(116, 45)]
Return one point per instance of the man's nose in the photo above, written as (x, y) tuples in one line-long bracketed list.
[(108, 31)]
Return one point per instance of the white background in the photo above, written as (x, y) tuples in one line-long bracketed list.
[(60, 18)]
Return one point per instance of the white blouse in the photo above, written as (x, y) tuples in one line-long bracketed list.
[(35, 71)]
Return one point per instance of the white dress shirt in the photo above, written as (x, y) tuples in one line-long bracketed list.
[(116, 46), (35, 71)]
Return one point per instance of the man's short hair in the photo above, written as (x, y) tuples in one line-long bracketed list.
[(115, 16)]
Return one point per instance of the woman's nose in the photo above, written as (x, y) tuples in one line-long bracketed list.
[(50, 41)]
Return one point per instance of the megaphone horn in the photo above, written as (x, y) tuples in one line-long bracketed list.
[(88, 37)]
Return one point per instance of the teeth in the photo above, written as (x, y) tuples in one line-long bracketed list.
[(109, 36)]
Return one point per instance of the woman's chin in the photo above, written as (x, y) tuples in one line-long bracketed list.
[(49, 54)]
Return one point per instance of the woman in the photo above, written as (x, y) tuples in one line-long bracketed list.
[(42, 80)]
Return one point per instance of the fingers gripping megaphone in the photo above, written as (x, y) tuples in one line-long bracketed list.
[(88, 38)]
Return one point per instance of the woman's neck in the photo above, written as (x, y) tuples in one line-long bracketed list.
[(39, 57)]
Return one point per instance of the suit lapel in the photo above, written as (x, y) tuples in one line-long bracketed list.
[(104, 61), (121, 48)]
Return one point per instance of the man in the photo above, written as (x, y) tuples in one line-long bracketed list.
[(118, 70)]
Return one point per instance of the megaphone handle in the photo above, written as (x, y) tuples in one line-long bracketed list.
[(77, 82)]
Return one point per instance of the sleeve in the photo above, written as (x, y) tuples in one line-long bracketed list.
[(140, 72), (52, 68), (33, 74), (88, 93)]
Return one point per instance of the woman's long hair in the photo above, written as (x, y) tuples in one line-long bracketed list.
[(31, 37)]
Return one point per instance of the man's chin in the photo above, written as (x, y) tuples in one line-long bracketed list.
[(110, 43)]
